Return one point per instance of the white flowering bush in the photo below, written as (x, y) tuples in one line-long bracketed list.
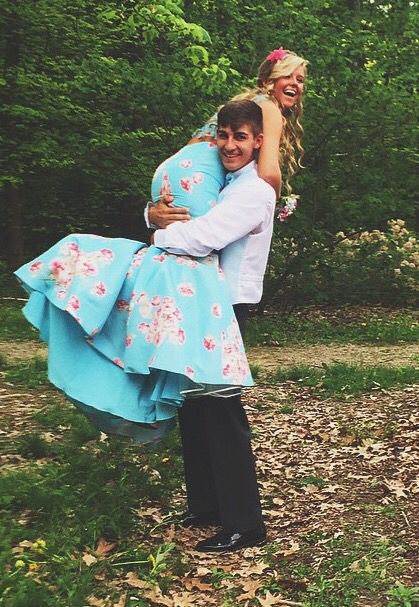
[(353, 267), (381, 266)]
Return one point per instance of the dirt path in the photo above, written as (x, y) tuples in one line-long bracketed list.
[(270, 357), (316, 355)]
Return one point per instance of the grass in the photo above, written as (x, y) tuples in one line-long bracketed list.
[(292, 329), (341, 380), (72, 492), (31, 373), (348, 573), (13, 325)]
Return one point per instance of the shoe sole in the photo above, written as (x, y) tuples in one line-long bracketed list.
[(261, 542), (210, 523)]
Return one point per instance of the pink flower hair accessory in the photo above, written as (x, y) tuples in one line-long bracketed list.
[(277, 55)]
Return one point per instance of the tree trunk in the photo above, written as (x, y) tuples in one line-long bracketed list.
[(13, 202), (14, 207)]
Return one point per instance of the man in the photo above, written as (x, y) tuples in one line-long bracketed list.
[(219, 463)]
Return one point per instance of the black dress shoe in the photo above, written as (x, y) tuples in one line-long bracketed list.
[(202, 519), (227, 541)]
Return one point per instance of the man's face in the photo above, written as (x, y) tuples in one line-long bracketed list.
[(237, 148)]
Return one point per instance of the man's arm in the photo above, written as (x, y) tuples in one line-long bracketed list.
[(238, 214)]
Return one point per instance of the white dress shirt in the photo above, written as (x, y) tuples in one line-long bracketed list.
[(240, 226)]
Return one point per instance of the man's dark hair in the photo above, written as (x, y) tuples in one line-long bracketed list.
[(236, 113)]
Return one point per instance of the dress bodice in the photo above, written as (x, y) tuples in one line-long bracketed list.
[(194, 176)]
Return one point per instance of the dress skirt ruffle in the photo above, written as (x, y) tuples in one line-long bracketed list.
[(133, 330)]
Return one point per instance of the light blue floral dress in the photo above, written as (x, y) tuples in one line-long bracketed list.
[(133, 330)]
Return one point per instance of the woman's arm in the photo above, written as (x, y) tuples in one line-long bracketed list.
[(268, 162)]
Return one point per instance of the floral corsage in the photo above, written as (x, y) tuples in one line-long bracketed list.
[(287, 206)]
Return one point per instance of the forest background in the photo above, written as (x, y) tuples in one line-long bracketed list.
[(96, 94)]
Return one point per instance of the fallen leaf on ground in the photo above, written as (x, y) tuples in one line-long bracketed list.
[(134, 581), (294, 547), (183, 599), (270, 599), (122, 601), (250, 587), (88, 559), (104, 547), (94, 602), (191, 583)]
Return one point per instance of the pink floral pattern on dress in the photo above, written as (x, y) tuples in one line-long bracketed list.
[(186, 289), (186, 184), (73, 303), (129, 340), (160, 258), (234, 361), (216, 310), (210, 343), (137, 260), (184, 260), (185, 164), (99, 289), (61, 294), (75, 263), (165, 318), (108, 254), (197, 178), (36, 266), (73, 306), (189, 372), (122, 305), (138, 257)]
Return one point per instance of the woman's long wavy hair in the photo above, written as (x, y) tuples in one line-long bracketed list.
[(291, 150)]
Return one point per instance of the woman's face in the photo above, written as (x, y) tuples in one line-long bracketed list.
[(289, 89)]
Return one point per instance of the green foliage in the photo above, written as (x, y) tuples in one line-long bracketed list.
[(336, 325), (357, 267), (403, 596), (32, 446), (95, 96), (342, 380)]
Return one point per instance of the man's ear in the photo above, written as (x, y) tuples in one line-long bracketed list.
[(258, 141)]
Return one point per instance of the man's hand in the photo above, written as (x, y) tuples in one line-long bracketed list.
[(164, 213)]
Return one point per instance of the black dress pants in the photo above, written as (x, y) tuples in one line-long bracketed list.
[(219, 463)]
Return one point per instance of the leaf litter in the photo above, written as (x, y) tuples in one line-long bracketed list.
[(328, 470)]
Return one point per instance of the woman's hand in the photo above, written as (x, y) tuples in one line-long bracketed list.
[(164, 213)]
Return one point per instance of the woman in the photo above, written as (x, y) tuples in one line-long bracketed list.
[(133, 330)]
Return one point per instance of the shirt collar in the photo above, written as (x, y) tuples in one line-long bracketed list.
[(230, 177)]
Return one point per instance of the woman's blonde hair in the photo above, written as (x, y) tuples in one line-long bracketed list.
[(291, 150)]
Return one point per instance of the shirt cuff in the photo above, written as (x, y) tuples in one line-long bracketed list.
[(150, 226)]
